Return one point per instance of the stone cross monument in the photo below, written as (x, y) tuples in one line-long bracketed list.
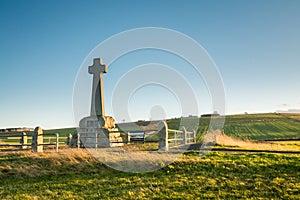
[(97, 69), (98, 130)]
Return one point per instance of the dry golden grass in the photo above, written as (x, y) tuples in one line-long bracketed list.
[(221, 139), (295, 116), (30, 164)]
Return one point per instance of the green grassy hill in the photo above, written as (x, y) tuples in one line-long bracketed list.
[(262, 126), (253, 126)]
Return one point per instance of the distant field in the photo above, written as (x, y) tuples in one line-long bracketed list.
[(74, 174), (62, 132), (254, 126), (262, 126)]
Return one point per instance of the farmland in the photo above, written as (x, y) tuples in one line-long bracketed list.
[(62, 132), (253, 126)]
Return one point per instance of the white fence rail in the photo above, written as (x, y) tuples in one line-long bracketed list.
[(170, 138)]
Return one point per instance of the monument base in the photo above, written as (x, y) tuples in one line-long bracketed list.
[(94, 135)]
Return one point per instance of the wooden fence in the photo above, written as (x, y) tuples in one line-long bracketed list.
[(33, 140)]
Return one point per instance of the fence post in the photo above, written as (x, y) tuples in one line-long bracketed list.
[(69, 140), (37, 140), (96, 140), (57, 141), (194, 136), (78, 140), (128, 137), (163, 136), (184, 135), (23, 141)]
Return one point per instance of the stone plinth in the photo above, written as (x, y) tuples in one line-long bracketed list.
[(95, 132)]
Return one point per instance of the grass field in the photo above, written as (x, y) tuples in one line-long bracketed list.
[(253, 126), (74, 174), (64, 132)]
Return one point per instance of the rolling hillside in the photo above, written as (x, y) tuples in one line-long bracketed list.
[(263, 126), (254, 126)]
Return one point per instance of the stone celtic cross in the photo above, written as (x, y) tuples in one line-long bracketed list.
[(97, 69)]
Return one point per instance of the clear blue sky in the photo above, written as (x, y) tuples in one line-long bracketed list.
[(255, 44)]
